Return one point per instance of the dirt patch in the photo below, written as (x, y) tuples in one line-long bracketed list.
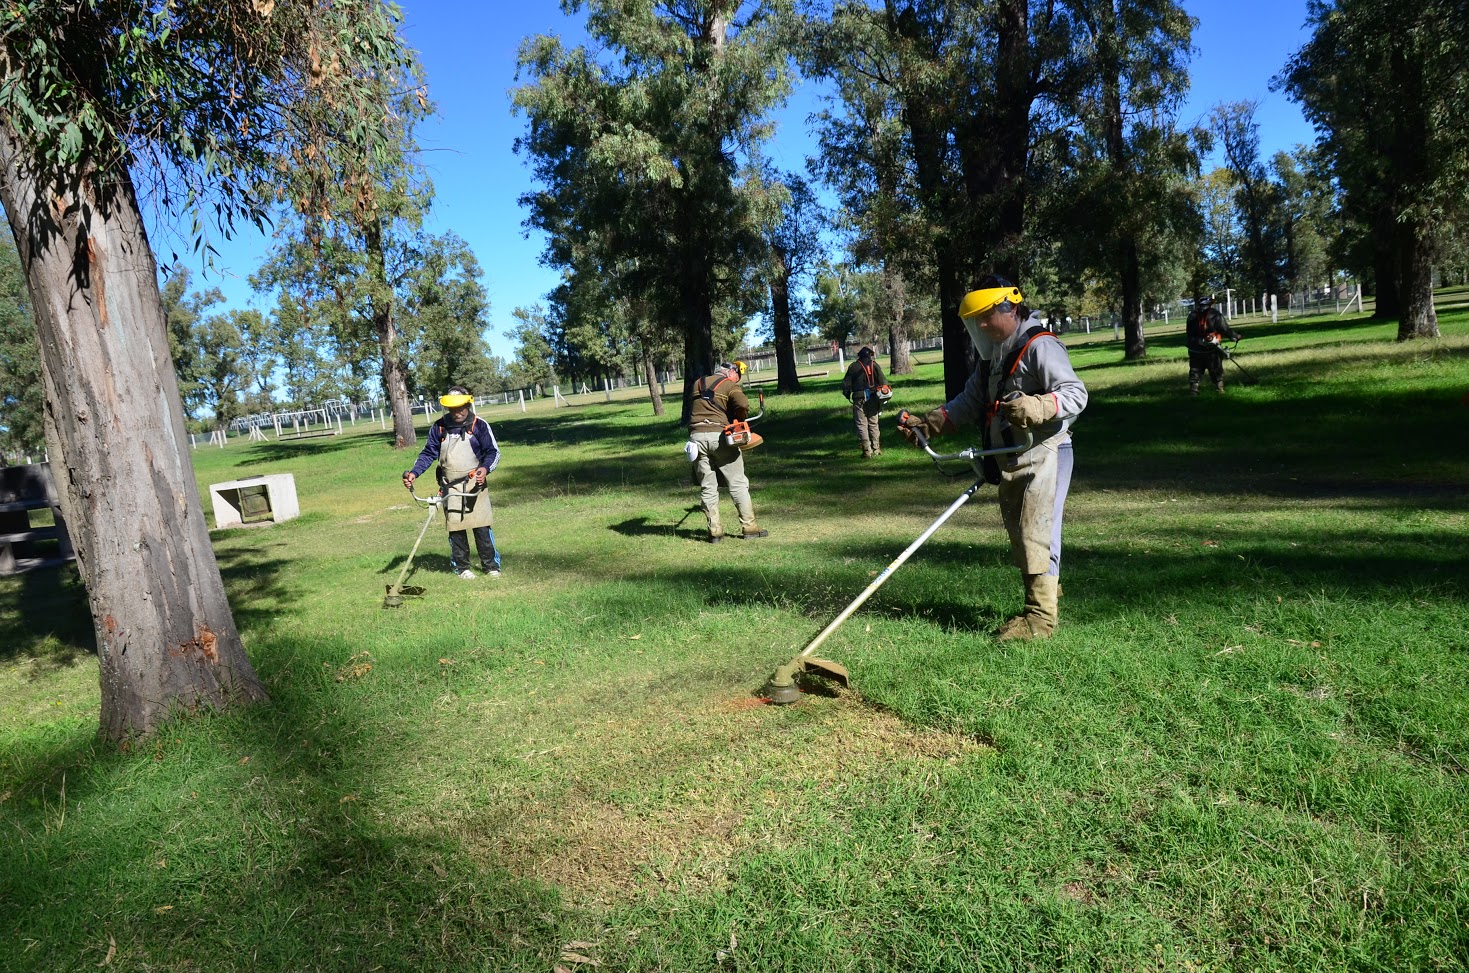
[(657, 808), (1077, 892)]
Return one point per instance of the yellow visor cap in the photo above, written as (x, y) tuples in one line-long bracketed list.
[(978, 302), (455, 401), (740, 367)]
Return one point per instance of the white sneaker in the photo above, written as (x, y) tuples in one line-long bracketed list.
[(467, 574), (495, 573)]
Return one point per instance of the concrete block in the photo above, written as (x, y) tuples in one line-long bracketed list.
[(255, 499)]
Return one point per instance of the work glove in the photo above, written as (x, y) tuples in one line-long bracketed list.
[(408, 479), (847, 396), (478, 476), (933, 425), (1029, 410)]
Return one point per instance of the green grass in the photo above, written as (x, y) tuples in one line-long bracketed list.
[(1244, 750)]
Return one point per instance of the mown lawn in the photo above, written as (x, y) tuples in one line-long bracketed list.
[(1245, 749)]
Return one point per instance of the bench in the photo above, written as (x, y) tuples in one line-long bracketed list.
[(22, 546)]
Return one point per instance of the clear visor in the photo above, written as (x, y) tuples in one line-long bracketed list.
[(984, 346)]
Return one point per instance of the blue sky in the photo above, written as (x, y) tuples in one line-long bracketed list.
[(468, 51)]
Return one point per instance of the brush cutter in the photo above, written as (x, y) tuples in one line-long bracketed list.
[(397, 590), (1249, 379), (781, 689), (738, 433)]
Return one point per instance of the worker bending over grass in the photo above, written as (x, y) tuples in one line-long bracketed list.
[(1024, 383), (465, 447)]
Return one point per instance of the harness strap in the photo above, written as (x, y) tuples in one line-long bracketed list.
[(1008, 366), (707, 394)]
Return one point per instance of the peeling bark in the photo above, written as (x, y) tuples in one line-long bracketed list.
[(166, 639)]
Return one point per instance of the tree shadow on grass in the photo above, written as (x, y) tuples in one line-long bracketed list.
[(285, 450), (44, 614), (319, 879), (254, 583)]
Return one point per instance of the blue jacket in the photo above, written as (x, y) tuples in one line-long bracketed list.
[(481, 438)]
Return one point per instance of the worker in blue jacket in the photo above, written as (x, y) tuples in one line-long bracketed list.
[(465, 447)]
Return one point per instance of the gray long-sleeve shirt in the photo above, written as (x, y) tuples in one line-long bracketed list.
[(1044, 369)]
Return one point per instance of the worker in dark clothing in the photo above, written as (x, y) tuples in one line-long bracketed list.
[(467, 452), (1205, 329), (867, 389), (719, 401)]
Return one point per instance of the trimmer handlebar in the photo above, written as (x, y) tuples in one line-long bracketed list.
[(762, 409), (971, 455), (443, 493)]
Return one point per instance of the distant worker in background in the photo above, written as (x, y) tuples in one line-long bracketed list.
[(1024, 383), (465, 447), (718, 401), (867, 389), (1205, 329)]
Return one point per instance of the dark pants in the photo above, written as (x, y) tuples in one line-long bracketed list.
[(1205, 361), (484, 540)]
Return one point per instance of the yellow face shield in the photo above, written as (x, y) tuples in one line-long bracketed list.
[(740, 367), (976, 303), (455, 401)]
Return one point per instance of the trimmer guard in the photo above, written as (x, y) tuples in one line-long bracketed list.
[(827, 669)]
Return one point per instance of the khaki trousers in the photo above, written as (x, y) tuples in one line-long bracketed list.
[(1032, 499), (717, 460), (864, 416)]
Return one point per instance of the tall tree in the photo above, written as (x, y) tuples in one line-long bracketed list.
[(223, 374), (1219, 240), (534, 357), (1129, 204), (1256, 197), (352, 237), (445, 316), (795, 247), (1384, 84), (977, 88), (1308, 216), (257, 354), (204, 98), (637, 155)]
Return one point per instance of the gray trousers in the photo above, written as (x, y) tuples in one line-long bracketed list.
[(716, 460), (1032, 501), (865, 413)]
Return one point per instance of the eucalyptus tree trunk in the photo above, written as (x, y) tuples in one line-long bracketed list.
[(698, 326), (395, 376), (1419, 319), (166, 639), (900, 360), (650, 373), (780, 313), (1135, 344)]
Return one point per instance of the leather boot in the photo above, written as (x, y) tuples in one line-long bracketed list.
[(1042, 614), (1219, 386)]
